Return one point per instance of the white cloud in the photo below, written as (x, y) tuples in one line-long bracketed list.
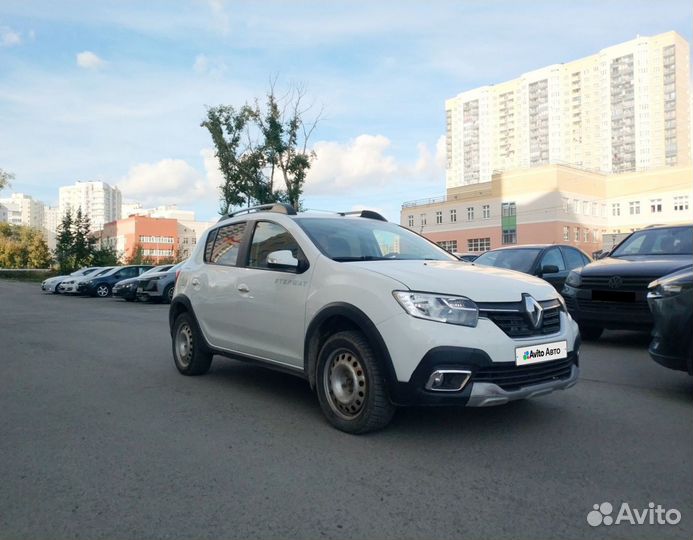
[(89, 60), (173, 181), (221, 18), (9, 37), (364, 163)]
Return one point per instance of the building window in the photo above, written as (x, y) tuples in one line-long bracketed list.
[(410, 221), (634, 208), (587, 235), (655, 206), (510, 236), (423, 219), (585, 207), (566, 233), (453, 215), (439, 217), (595, 209), (448, 245), (681, 203), (566, 204), (486, 209), (478, 244), (603, 210), (470, 213), (508, 209), (577, 234), (615, 209)]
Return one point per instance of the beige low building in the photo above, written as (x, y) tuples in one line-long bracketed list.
[(551, 204)]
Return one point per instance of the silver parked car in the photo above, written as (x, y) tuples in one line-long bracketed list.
[(158, 286)]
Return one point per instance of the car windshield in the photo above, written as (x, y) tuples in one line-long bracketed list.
[(363, 239), (670, 241), (521, 260)]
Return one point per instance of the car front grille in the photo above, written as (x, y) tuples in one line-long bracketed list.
[(515, 324), (605, 307), (626, 283), (512, 377)]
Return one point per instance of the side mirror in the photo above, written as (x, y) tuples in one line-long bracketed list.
[(549, 269), (282, 260)]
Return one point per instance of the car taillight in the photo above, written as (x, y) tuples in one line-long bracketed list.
[(177, 274)]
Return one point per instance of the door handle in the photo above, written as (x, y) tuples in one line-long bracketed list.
[(243, 288)]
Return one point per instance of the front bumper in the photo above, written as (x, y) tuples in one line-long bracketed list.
[(125, 292)]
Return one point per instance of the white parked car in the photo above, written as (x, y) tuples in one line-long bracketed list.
[(69, 286), (52, 284), (370, 313)]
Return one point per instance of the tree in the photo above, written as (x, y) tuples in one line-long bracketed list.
[(23, 247), (83, 244), (137, 256), (104, 256), (255, 143), (64, 240), (5, 179)]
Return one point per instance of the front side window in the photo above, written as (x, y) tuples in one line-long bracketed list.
[(227, 242), (267, 238), (573, 258), (553, 257), (361, 239)]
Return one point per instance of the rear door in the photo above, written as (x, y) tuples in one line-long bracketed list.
[(216, 300)]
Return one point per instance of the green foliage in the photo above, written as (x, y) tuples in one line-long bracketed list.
[(83, 244), (254, 144), (138, 257), (104, 256), (23, 247), (5, 179), (64, 244)]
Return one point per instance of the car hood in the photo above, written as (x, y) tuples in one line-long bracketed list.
[(156, 275), (479, 283), (636, 265), (127, 281)]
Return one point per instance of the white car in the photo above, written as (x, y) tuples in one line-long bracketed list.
[(69, 286), (52, 284), (370, 313)]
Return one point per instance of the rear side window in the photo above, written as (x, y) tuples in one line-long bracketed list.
[(227, 244), (210, 244)]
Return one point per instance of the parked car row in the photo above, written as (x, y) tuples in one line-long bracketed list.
[(130, 282), (644, 283)]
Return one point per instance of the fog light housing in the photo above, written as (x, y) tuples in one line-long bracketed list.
[(448, 380)]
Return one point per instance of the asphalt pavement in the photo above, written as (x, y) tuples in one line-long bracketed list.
[(100, 437)]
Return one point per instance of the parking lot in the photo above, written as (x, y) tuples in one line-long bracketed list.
[(102, 438)]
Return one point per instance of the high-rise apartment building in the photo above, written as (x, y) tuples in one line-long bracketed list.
[(23, 209), (626, 108), (98, 200)]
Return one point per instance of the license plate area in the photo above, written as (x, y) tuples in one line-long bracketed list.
[(613, 296), (543, 352)]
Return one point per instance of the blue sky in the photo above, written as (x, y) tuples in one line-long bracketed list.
[(115, 91)]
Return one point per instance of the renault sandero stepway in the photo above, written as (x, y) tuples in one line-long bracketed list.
[(371, 314)]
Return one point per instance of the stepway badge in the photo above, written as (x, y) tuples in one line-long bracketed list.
[(541, 353)]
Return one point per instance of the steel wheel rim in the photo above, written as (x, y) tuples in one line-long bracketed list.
[(102, 290), (170, 294), (184, 345), (345, 385)]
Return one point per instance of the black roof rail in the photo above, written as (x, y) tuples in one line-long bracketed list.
[(370, 214), (279, 208)]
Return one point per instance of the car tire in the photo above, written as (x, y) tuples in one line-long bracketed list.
[(168, 295), (189, 351), (350, 384), (55, 290), (103, 291), (591, 333)]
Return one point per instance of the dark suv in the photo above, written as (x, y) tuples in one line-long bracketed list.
[(612, 292), (102, 285)]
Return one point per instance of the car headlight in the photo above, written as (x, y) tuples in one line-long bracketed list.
[(574, 279), (439, 307), (659, 289)]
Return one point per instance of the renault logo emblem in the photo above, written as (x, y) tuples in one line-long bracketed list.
[(533, 310), (615, 282)]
